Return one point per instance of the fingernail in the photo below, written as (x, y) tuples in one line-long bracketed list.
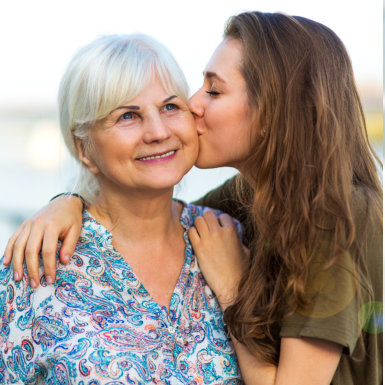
[(49, 279), (66, 259), (33, 284), (16, 275)]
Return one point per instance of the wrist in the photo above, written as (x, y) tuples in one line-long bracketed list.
[(78, 197)]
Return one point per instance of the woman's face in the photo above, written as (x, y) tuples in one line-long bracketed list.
[(221, 110), (148, 143)]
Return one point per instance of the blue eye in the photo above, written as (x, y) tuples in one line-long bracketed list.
[(170, 107), (127, 115)]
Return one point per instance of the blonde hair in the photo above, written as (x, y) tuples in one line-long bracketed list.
[(104, 74)]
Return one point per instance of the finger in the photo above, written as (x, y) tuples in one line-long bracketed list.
[(211, 221), (226, 221), (201, 226), (49, 254), (10, 245), (69, 244), (194, 237), (32, 253), (18, 251)]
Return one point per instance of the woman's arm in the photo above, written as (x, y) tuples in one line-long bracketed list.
[(302, 361), (60, 220), (221, 258), (305, 361)]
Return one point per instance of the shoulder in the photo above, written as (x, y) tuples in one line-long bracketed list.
[(93, 238), (191, 211), (366, 212), (92, 229)]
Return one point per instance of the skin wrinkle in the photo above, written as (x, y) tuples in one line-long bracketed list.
[(138, 107)]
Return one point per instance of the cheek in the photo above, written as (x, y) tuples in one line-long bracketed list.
[(222, 115), (185, 128), (192, 141), (228, 133), (195, 146), (113, 149), (191, 138)]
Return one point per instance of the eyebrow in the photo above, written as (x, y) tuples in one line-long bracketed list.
[(210, 74), (136, 108), (169, 98)]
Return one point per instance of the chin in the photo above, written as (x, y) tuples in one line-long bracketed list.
[(203, 163), (163, 182)]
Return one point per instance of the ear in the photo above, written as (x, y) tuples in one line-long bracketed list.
[(84, 156), (257, 121), (262, 125)]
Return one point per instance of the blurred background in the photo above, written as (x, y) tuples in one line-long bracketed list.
[(39, 37)]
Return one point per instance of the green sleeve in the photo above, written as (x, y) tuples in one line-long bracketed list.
[(343, 297), (332, 312), (345, 304)]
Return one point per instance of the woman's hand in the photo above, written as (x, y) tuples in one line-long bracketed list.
[(61, 220), (221, 256)]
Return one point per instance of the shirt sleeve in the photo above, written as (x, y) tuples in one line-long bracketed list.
[(344, 298), (333, 304), (17, 351)]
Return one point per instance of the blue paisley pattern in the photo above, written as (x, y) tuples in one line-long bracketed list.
[(98, 325)]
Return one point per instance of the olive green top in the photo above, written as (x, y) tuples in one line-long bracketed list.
[(346, 299)]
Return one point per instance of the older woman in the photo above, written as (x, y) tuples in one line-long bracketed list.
[(131, 306)]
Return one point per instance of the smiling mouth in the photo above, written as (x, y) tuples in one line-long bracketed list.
[(165, 155)]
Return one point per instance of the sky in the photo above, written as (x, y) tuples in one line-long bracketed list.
[(39, 37)]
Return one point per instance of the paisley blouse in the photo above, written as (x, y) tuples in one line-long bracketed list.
[(97, 324)]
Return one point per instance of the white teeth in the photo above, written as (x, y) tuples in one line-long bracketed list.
[(158, 156)]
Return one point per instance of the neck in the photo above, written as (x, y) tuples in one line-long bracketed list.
[(242, 170), (137, 215)]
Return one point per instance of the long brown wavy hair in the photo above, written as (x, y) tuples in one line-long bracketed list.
[(314, 152)]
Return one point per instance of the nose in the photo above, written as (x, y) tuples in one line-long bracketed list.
[(197, 108), (195, 104), (156, 130)]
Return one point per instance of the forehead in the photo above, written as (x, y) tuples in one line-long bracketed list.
[(153, 92), (226, 60)]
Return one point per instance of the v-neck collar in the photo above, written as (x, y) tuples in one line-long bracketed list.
[(103, 240)]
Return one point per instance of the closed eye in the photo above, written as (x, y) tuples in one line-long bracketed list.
[(212, 93)]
